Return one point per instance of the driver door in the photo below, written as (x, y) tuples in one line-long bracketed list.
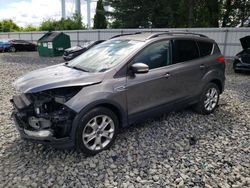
[(155, 88)]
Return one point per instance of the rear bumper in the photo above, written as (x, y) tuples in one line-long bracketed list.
[(63, 143)]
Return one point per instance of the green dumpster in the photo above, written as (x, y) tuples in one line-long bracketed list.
[(53, 44)]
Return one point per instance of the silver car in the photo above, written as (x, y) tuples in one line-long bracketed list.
[(126, 79)]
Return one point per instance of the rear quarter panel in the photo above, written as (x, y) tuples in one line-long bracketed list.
[(214, 70)]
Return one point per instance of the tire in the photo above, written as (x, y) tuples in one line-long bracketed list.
[(12, 49), (207, 106), (94, 134)]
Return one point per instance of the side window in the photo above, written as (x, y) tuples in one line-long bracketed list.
[(205, 48), (216, 49), (185, 50), (156, 55), (22, 42)]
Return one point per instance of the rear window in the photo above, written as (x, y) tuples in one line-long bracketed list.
[(205, 48), (185, 50)]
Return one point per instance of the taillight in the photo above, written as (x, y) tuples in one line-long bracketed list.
[(221, 59)]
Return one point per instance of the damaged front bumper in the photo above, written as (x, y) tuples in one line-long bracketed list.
[(50, 127)]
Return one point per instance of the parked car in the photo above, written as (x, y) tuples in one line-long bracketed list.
[(242, 59), (121, 81), (19, 45), (4, 45), (75, 51)]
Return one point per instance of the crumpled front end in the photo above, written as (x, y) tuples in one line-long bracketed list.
[(43, 117)]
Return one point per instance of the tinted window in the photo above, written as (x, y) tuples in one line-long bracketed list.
[(156, 55), (216, 49), (205, 48), (185, 50)]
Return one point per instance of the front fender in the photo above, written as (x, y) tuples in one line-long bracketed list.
[(97, 95)]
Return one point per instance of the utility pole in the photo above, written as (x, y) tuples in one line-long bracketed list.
[(63, 9), (89, 13), (78, 6), (78, 10)]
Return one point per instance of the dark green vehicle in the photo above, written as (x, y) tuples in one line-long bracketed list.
[(121, 81)]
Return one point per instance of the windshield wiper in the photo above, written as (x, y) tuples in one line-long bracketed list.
[(75, 67), (103, 70), (79, 68)]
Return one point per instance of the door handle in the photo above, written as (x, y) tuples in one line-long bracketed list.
[(167, 75), (202, 66)]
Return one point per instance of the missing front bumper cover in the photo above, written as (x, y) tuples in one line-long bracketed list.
[(51, 125), (65, 142)]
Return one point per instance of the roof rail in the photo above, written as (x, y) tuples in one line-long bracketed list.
[(125, 34), (174, 33)]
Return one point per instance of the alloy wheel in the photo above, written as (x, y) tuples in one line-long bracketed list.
[(98, 132), (211, 99)]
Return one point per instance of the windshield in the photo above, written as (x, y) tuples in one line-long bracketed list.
[(4, 41), (105, 55)]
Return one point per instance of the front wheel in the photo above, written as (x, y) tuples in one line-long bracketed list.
[(96, 130), (208, 100)]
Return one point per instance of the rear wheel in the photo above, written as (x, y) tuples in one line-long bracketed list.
[(96, 130), (12, 49), (209, 99)]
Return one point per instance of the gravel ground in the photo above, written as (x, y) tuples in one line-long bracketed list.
[(180, 149)]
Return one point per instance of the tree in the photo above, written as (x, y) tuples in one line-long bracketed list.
[(227, 11), (178, 13), (8, 26), (100, 21), (72, 23), (30, 28)]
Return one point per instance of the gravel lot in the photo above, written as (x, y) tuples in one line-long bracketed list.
[(180, 149)]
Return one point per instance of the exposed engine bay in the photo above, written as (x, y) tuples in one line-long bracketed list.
[(44, 114)]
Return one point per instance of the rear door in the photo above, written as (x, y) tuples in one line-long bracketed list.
[(189, 68), (25, 45)]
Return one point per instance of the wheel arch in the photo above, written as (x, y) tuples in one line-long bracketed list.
[(116, 108), (218, 83), (215, 76)]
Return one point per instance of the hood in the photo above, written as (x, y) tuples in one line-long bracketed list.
[(74, 49), (245, 42), (57, 76)]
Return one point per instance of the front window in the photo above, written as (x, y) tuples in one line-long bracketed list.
[(105, 55), (156, 55)]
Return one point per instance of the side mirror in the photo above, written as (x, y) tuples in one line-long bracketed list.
[(139, 68)]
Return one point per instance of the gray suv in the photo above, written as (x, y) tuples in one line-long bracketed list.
[(121, 81)]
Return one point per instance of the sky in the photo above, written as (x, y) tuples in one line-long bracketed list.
[(25, 12)]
